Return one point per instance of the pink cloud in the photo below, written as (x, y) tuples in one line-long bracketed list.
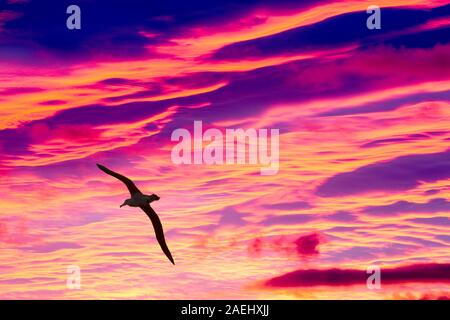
[(308, 245), (74, 133), (303, 247)]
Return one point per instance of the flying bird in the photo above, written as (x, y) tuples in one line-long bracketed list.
[(138, 199)]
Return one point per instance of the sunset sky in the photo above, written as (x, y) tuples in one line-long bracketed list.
[(364, 171)]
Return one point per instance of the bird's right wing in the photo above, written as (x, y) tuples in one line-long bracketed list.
[(158, 230), (130, 184)]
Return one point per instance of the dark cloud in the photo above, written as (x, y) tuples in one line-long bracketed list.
[(399, 174), (427, 39), (328, 33), (430, 272), (101, 114), (111, 29)]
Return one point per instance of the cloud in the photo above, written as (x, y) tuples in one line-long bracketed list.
[(342, 216), (304, 246), (387, 141), (422, 242), (255, 247), (294, 205), (443, 237), (47, 142), (17, 232), (52, 102), (227, 217), (19, 90), (435, 296), (430, 272), (308, 245), (435, 221), (325, 34), (287, 219), (431, 295), (399, 174), (230, 216), (433, 205), (26, 281), (67, 132), (7, 16), (52, 246)]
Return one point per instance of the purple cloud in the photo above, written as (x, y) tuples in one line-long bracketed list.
[(435, 221), (287, 219), (399, 174), (342, 216), (382, 142), (294, 205), (434, 205), (53, 246)]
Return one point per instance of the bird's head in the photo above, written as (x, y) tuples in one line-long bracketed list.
[(152, 197), (125, 203)]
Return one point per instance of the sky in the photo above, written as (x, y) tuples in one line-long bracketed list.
[(364, 153)]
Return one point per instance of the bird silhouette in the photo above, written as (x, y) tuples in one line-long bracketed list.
[(138, 199)]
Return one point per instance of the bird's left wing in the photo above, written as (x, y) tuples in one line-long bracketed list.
[(130, 184), (158, 230)]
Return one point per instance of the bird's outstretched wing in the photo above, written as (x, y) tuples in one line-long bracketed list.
[(158, 230), (130, 185)]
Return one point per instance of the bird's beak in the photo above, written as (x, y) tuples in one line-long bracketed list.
[(122, 205)]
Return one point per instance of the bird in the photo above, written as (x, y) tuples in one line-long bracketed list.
[(138, 199)]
